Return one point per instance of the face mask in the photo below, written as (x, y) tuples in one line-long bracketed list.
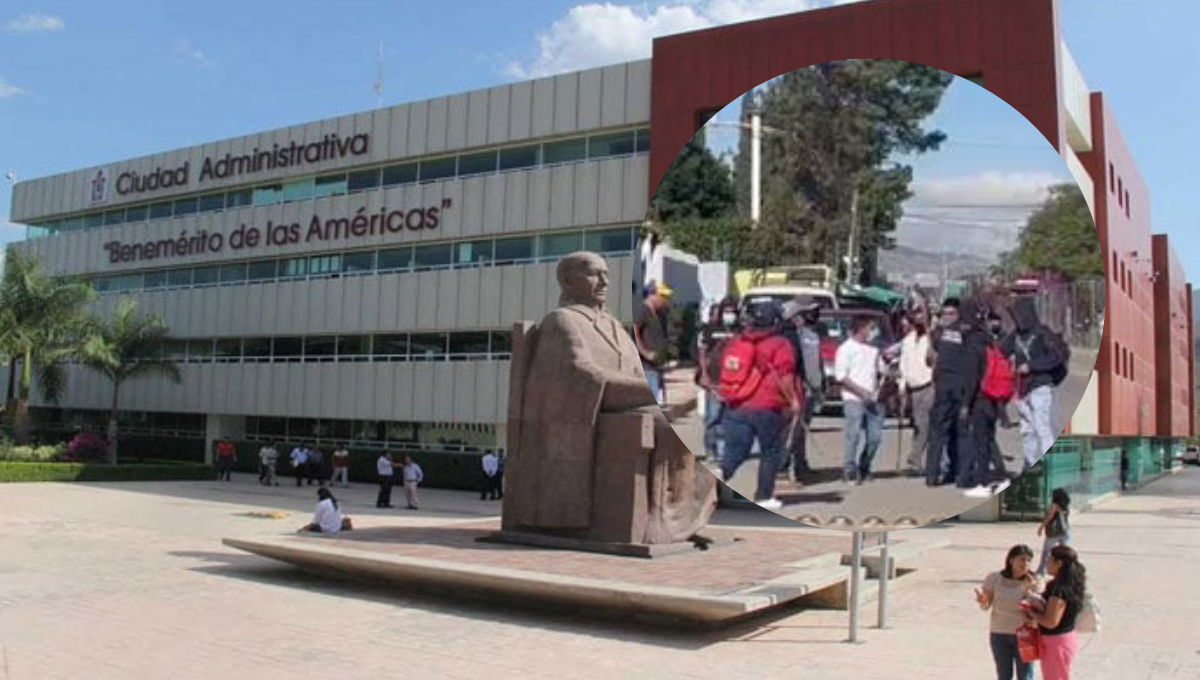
[(873, 334), (729, 319)]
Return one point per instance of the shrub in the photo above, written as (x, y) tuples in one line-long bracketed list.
[(87, 446), (32, 453)]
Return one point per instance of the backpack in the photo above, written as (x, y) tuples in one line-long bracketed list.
[(742, 371), (1088, 618), (1062, 351), (999, 378)]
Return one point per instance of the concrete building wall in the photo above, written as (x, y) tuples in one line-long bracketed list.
[(1173, 346)]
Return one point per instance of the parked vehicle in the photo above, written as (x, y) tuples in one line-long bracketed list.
[(1191, 455), (805, 294)]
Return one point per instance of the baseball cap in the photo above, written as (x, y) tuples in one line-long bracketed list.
[(792, 308), (664, 290)]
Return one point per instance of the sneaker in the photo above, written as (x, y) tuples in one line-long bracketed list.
[(771, 504), (978, 492), (1003, 485)]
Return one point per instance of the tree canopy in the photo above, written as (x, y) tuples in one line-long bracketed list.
[(1060, 237), (696, 186)]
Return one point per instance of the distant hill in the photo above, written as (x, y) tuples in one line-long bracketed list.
[(908, 261)]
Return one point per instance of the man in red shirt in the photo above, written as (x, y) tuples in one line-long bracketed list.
[(760, 395), (225, 453)]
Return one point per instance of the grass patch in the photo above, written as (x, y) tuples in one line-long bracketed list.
[(14, 472)]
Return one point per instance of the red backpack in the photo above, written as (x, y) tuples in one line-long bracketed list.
[(742, 371), (999, 378)]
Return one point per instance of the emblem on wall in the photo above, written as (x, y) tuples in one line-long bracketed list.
[(99, 187)]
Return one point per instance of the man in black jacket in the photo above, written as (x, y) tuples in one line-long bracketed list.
[(957, 357), (1041, 361)]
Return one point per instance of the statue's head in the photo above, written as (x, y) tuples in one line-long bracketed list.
[(583, 280)]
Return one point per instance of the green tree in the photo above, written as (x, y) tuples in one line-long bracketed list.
[(697, 185), (837, 129), (1061, 237), (127, 346), (40, 316)]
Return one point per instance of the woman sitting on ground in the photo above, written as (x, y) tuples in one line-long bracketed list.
[(328, 518)]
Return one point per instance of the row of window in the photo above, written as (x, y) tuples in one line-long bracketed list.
[(495, 252), (438, 346), (1126, 363), (489, 161), (372, 433), (1117, 185), (1122, 276), (131, 422)]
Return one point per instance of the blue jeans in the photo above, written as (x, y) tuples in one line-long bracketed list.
[(742, 427), (654, 377), (1050, 543), (864, 434), (713, 436), (1006, 655)]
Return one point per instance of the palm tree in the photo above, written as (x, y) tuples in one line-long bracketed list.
[(40, 315), (128, 345)]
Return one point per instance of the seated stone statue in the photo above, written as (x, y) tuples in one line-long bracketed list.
[(590, 455)]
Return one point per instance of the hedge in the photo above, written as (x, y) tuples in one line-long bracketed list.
[(97, 472)]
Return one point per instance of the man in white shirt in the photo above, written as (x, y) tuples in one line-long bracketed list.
[(413, 475), (383, 467), (269, 457), (491, 475), (857, 370), (916, 384), (299, 458)]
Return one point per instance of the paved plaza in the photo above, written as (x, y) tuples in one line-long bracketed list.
[(131, 582)]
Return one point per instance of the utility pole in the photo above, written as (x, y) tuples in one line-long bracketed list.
[(852, 253), (755, 161)]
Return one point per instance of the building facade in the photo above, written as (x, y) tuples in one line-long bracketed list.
[(352, 279)]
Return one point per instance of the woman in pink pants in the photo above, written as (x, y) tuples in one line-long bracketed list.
[(1056, 618)]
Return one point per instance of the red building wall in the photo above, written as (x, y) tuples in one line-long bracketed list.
[(1127, 361), (1191, 334), (1013, 44), (1172, 347)]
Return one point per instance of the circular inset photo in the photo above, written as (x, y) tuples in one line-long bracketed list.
[(871, 292)]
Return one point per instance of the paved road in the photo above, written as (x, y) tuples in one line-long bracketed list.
[(889, 499), (131, 582)]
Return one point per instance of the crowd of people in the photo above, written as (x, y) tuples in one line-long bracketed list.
[(1033, 620), (953, 375)]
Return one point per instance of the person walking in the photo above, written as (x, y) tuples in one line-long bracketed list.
[(757, 387), (386, 474), (341, 467), (490, 490), (800, 323), (1041, 359), (1055, 526), (413, 476), (723, 325), (958, 357), (1062, 600), (299, 460), (225, 457), (857, 369), (916, 384), (650, 336), (996, 389), (316, 466), (1002, 593), (268, 456)]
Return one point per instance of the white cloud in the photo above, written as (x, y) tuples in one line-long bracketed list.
[(985, 189), (597, 34), (184, 49), (30, 23), (981, 215), (7, 89)]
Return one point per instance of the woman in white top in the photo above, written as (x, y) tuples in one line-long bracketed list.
[(1002, 592), (328, 517)]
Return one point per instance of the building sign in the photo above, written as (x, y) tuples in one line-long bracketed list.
[(330, 148), (251, 237), (98, 187)]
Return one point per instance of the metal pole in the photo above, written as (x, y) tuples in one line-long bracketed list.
[(884, 580), (852, 252), (855, 583), (755, 165)]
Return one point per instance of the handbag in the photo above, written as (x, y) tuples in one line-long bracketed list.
[(1088, 620), (1029, 643)]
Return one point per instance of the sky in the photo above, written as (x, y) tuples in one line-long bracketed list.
[(84, 83)]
